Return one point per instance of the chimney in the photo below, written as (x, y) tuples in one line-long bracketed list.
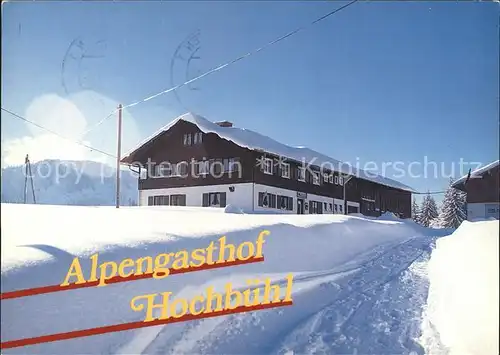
[(224, 123)]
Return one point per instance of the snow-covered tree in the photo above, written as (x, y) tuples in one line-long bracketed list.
[(428, 211), (415, 211), (453, 210)]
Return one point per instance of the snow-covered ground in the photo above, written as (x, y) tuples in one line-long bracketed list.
[(462, 312), (360, 283)]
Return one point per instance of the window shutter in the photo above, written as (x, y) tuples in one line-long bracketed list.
[(290, 204), (261, 198), (223, 199), (205, 200), (273, 201), (150, 200)]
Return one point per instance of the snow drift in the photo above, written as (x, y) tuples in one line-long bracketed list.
[(39, 242), (462, 310)]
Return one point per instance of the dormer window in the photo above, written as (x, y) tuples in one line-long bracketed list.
[(197, 138), (187, 139)]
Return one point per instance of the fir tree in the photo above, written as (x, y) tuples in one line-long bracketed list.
[(415, 211), (428, 211), (453, 210)]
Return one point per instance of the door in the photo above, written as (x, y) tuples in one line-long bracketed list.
[(300, 206)]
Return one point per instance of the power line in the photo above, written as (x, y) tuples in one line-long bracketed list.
[(213, 70), (429, 193), (57, 134), (113, 156)]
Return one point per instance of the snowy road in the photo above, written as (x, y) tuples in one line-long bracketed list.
[(374, 305), (359, 286)]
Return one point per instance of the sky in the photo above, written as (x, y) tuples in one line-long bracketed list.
[(412, 84)]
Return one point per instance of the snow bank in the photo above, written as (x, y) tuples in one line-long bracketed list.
[(462, 310), (233, 209), (39, 243), (389, 216)]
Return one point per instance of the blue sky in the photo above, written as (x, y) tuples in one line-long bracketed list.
[(377, 82)]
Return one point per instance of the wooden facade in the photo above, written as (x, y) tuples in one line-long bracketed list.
[(185, 144), (483, 192), (483, 189)]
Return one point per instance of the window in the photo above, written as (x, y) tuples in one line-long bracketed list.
[(325, 205), (234, 164), (301, 173), (336, 210), (187, 139), (285, 203), (316, 207), (340, 209), (267, 200), (268, 166), (331, 207), (197, 138), (181, 169), (341, 181), (285, 170), (325, 177), (178, 200), (336, 180), (158, 200), (218, 166), (315, 178), (203, 167), (214, 199), (330, 178), (163, 170)]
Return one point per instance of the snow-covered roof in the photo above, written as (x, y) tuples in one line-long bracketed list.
[(476, 173), (255, 141)]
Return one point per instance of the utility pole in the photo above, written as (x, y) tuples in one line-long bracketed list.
[(27, 170), (26, 160), (118, 156), (346, 180)]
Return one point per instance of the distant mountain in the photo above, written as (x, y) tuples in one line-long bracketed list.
[(64, 182)]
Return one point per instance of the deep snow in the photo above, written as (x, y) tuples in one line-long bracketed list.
[(358, 282), (463, 304)]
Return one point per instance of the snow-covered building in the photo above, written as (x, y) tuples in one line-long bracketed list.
[(482, 187), (195, 162)]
